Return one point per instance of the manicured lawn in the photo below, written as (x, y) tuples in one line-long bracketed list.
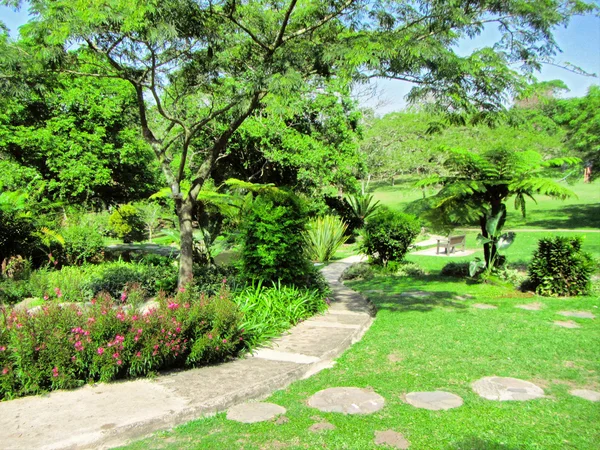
[(440, 343)]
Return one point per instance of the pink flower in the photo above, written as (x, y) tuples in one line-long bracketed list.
[(116, 355), (55, 372), (140, 331), (173, 305), (100, 350), (181, 289), (138, 354), (58, 292), (46, 297), (2, 348), (120, 316), (78, 346), (124, 296), (93, 301), (119, 362), (209, 336), (224, 341), (224, 280), (4, 371), (134, 317), (178, 329), (217, 348)]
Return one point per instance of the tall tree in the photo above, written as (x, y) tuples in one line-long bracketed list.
[(205, 67)]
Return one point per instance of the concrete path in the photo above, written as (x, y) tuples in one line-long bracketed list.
[(106, 415)]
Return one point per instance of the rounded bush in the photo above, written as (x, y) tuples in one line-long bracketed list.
[(126, 223), (560, 267), (388, 235), (82, 244)]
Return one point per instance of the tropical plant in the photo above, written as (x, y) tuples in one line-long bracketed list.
[(478, 185), (560, 267), (361, 207), (323, 236)]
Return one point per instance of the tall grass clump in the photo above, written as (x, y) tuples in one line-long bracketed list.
[(324, 235), (269, 310)]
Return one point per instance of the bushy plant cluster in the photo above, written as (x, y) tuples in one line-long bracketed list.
[(456, 269), (560, 267), (65, 347), (269, 310), (272, 240), (81, 244), (358, 271), (388, 235), (127, 223), (76, 283)]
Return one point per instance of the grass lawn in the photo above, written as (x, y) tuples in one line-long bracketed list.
[(439, 343)]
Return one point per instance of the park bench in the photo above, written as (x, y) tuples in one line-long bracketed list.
[(451, 243)]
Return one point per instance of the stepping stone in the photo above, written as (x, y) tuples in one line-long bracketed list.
[(531, 306), (321, 426), (347, 400), (433, 401), (254, 412), (463, 297), (592, 396), (578, 314), (418, 294), (484, 306), (392, 439), (506, 389), (566, 324)]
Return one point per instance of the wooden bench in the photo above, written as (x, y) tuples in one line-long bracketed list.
[(451, 243)]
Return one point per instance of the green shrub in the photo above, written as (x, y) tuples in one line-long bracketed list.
[(560, 267), (454, 269), (65, 347), (410, 269), (126, 223), (13, 291), (270, 310), (358, 271), (17, 235), (82, 244), (272, 240), (388, 235), (324, 235)]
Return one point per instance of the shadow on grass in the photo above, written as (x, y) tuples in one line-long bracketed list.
[(574, 216), (409, 296), (475, 443)]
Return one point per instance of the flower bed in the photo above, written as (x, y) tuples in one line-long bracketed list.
[(67, 346)]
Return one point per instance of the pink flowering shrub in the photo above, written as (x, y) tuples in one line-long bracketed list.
[(65, 347)]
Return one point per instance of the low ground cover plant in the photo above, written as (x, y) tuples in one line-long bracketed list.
[(66, 346), (560, 267)]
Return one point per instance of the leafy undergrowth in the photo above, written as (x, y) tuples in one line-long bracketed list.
[(439, 342)]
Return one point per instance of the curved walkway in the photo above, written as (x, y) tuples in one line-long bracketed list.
[(106, 415)]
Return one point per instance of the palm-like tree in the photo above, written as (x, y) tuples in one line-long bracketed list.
[(478, 186)]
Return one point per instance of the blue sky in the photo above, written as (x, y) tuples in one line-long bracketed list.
[(580, 44)]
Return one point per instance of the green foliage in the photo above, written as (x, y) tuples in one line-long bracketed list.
[(361, 207), (455, 269), (388, 235), (358, 271), (272, 240), (126, 223), (65, 347), (82, 244), (324, 235), (560, 267), (270, 310)]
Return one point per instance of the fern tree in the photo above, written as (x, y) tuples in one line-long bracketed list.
[(479, 185)]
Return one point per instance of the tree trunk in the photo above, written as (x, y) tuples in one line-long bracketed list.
[(186, 243)]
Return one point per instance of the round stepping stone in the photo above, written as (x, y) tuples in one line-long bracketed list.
[(530, 307), (434, 401), (566, 324), (484, 306), (578, 314), (347, 400), (592, 396), (391, 438), (321, 426), (254, 412), (506, 389)]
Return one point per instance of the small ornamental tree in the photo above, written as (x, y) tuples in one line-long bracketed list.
[(560, 267), (388, 235)]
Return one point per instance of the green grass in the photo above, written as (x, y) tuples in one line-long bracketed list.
[(439, 343)]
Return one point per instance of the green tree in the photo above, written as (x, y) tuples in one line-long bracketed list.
[(478, 185), (202, 69)]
